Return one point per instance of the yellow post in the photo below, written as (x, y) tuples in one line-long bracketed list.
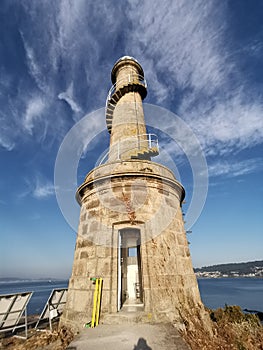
[(98, 301), (95, 299)]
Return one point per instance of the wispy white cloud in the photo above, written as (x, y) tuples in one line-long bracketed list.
[(183, 38), (6, 144), (183, 46), (7, 133), (34, 110), (69, 18), (67, 96), (43, 190), (227, 126), (185, 49), (38, 187), (234, 168), (34, 68)]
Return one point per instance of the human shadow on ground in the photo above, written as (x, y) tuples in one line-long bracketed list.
[(142, 345)]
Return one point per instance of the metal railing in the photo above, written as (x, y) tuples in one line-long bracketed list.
[(145, 142), (131, 78)]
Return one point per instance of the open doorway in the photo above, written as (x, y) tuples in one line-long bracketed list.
[(129, 269)]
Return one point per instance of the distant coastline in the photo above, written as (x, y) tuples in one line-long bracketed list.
[(251, 269), (213, 276), (30, 280)]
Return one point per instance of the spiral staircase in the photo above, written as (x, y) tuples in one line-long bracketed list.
[(133, 83)]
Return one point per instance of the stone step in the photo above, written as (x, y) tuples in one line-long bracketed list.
[(119, 94), (114, 99), (110, 107), (144, 154), (126, 318), (135, 87), (132, 307)]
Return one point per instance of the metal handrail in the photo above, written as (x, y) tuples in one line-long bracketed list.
[(131, 78), (152, 142)]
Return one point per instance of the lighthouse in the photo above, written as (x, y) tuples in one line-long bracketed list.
[(131, 229)]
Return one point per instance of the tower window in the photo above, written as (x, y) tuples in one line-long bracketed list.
[(132, 251)]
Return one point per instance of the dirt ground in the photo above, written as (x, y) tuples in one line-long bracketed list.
[(232, 330), (140, 336), (110, 337)]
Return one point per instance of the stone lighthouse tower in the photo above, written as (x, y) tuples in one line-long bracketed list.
[(131, 231)]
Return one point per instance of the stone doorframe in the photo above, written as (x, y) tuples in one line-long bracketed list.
[(116, 229)]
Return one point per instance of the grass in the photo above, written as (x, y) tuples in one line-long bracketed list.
[(232, 330)]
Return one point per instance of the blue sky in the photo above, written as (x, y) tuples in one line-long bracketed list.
[(202, 61)]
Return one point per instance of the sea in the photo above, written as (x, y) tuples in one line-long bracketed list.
[(245, 292), (215, 292), (41, 289)]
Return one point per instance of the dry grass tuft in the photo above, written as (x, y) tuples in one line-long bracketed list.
[(56, 340), (232, 330)]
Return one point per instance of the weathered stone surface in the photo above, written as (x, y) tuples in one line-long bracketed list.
[(126, 195), (168, 282)]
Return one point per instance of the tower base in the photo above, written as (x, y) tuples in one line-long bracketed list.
[(131, 233)]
